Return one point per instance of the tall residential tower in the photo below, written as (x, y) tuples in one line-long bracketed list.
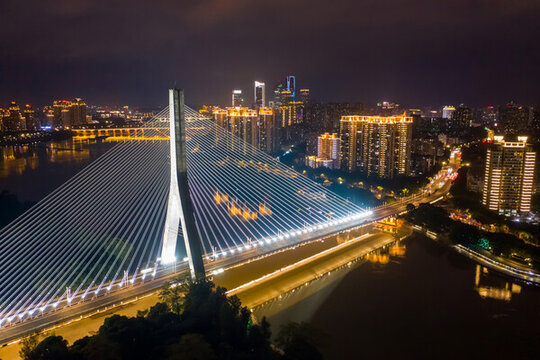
[(509, 176), (376, 145), (259, 95)]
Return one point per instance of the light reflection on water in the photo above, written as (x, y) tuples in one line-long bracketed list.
[(314, 292), (32, 171), (416, 300)]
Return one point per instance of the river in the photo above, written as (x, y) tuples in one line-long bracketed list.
[(420, 301)]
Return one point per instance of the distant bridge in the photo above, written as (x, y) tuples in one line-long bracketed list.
[(124, 134)]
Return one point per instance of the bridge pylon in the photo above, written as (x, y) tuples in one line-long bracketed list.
[(180, 207)]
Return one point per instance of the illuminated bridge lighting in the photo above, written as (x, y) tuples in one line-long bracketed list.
[(103, 229)]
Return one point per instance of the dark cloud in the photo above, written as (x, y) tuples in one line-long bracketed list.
[(130, 51)]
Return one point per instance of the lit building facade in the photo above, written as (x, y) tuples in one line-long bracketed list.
[(67, 114), (462, 117), (304, 96), (257, 128), (509, 176), (30, 122), (327, 152), (376, 145), (266, 136), (328, 147), (12, 120), (314, 162), (259, 94), (237, 99), (448, 112), (286, 98), (291, 86)]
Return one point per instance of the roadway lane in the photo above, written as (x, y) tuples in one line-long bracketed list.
[(77, 310), (283, 280)]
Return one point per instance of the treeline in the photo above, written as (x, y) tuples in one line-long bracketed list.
[(192, 322)]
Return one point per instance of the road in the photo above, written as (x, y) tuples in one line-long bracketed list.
[(278, 272), (274, 254)]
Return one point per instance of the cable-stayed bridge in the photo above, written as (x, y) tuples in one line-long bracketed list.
[(117, 223)]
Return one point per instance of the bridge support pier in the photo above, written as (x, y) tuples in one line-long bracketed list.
[(180, 207)]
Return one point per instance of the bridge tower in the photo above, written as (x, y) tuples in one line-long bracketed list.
[(180, 207)]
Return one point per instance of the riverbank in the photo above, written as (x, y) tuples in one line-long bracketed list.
[(495, 263), (30, 137)]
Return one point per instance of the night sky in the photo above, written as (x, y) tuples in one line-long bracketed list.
[(423, 52)]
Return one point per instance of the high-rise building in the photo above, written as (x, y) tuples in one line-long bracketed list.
[(266, 135), (78, 112), (376, 145), (12, 119), (67, 114), (259, 94), (509, 176), (278, 89), (292, 113), (328, 149), (286, 98), (448, 111), (488, 116), (328, 146), (291, 86), (239, 121), (535, 123), (29, 118), (304, 96), (461, 117), (237, 99), (513, 119)]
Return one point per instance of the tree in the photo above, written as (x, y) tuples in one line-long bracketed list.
[(51, 348), (192, 347), (172, 294), (209, 325), (28, 345), (97, 348)]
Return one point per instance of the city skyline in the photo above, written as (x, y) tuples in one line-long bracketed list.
[(450, 52)]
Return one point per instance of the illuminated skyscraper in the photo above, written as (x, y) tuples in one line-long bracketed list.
[(376, 145), (328, 146), (292, 113), (259, 94), (448, 111), (277, 95), (291, 86), (286, 98), (237, 99), (78, 112), (67, 114), (304, 96), (13, 120), (256, 127), (266, 134), (240, 121), (509, 176), (29, 118), (327, 151)]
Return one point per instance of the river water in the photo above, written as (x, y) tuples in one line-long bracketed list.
[(421, 301)]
